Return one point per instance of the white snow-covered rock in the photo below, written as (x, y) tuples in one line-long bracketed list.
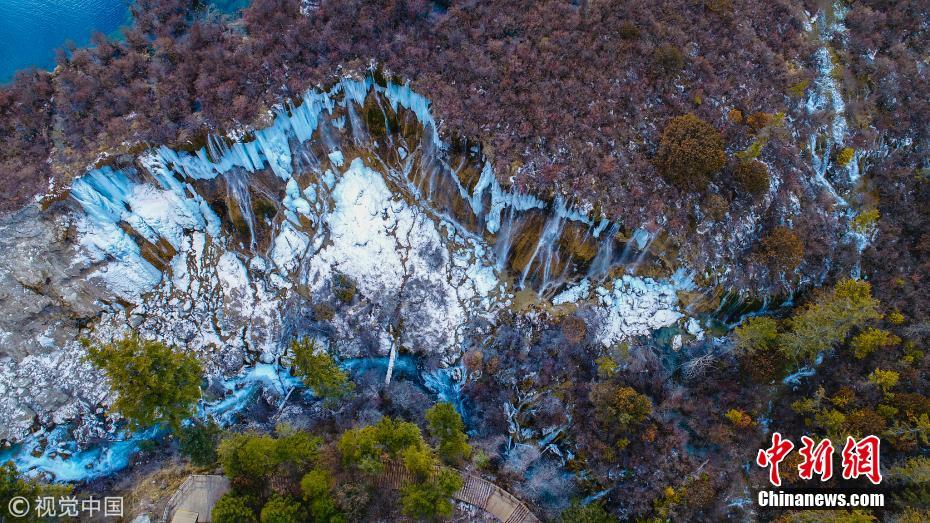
[(635, 306)]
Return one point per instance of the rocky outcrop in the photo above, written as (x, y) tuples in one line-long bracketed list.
[(46, 299), (346, 219)]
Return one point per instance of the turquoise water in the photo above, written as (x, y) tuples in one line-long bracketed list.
[(31, 30), (59, 457)]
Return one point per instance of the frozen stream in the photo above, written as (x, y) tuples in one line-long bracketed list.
[(61, 458), (229, 251)]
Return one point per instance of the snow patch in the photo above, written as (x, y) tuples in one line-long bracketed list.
[(574, 294), (635, 306)]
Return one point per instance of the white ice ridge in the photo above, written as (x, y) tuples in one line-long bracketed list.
[(111, 196), (573, 294), (269, 147), (500, 199), (635, 306), (389, 247), (827, 96), (64, 373)]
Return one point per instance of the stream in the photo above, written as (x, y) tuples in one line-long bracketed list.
[(56, 455)]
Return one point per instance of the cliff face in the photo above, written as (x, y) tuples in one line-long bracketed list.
[(346, 219), (46, 299)]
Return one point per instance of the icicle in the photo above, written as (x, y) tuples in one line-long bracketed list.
[(551, 232), (391, 359), (504, 241), (359, 132), (238, 190), (605, 253)]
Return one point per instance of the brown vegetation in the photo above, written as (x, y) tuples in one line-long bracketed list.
[(574, 329), (690, 153), (752, 177), (538, 83), (781, 250)]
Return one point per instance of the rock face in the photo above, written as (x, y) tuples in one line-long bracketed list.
[(45, 300), (346, 219)]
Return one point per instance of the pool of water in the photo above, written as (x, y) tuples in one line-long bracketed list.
[(31, 30)]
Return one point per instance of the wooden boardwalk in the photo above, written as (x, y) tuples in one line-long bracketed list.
[(198, 494), (194, 500), (475, 491)]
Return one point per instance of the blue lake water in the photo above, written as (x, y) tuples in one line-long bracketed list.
[(31, 30)]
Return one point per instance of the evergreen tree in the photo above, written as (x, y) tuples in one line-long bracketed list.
[(250, 459), (13, 484), (232, 509), (154, 383), (297, 447), (247, 459), (316, 487), (420, 461), (282, 509), (431, 499), (446, 425), (198, 442), (367, 447), (319, 371)]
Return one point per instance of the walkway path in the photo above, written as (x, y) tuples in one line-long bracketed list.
[(198, 494), (194, 501), (475, 491)]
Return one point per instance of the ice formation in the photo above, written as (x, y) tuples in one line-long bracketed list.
[(635, 306), (225, 250)]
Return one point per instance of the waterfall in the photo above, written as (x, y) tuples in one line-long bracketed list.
[(605, 252), (826, 95), (545, 238), (237, 187), (643, 252), (504, 240), (545, 245)]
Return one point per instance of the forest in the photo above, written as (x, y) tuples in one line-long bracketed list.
[(565, 97), (589, 100)]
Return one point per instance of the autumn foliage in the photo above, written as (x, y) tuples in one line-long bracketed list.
[(690, 153), (781, 250), (751, 177)]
